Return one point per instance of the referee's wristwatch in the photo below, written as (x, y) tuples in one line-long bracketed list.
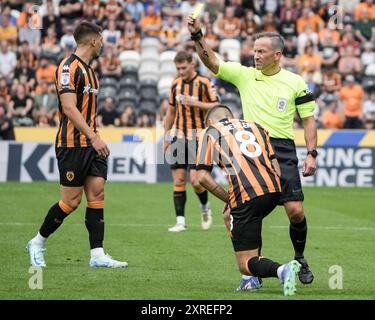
[(313, 153)]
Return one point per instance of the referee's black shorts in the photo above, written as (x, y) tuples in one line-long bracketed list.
[(75, 164), (285, 150), (246, 225)]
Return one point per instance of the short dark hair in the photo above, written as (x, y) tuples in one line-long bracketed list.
[(85, 29), (182, 56), (214, 109), (277, 40)]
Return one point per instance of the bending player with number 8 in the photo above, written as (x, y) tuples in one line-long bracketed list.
[(243, 150)]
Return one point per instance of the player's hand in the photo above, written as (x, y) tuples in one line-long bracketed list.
[(99, 146), (166, 143), (226, 216), (189, 100), (194, 25), (309, 166)]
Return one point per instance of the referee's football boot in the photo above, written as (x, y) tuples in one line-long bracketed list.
[(107, 261), (288, 277), (250, 284), (36, 253), (305, 275)]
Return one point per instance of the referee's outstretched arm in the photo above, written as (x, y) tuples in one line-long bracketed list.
[(206, 54)]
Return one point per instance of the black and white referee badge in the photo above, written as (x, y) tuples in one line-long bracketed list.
[(281, 104)]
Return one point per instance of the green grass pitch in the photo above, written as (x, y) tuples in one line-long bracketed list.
[(195, 264)]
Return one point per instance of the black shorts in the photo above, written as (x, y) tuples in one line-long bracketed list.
[(247, 221), (75, 164), (285, 150), (182, 154)]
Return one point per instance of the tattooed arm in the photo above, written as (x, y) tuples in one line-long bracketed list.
[(205, 53)]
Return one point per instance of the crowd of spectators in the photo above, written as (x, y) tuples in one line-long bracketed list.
[(330, 43)]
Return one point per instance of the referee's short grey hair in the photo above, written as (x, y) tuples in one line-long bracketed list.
[(276, 39)]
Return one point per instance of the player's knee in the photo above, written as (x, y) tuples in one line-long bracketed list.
[(96, 195), (296, 214), (195, 183), (73, 203)]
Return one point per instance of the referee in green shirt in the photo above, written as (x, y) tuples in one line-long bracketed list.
[(270, 95)]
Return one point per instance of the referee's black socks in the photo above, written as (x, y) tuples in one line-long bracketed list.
[(298, 234)]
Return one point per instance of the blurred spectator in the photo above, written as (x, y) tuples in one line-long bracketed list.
[(45, 102), (25, 53), (350, 64), (307, 37), (164, 104), (7, 61), (70, 10), (23, 70), (365, 27), (127, 118), (331, 81), (67, 41), (247, 52), (112, 9), (7, 13), (288, 17), (110, 63), (45, 71), (6, 125), (329, 48), (310, 62), (29, 24), (309, 19), (270, 22), (4, 90), (368, 55), (170, 8), (108, 114), (367, 6), (213, 9), (20, 107), (151, 23), (135, 8), (348, 40), (144, 120), (331, 118), (130, 39), (289, 58), (93, 11), (351, 96), (211, 38), (50, 47), (229, 26), (170, 33), (250, 25), (51, 20), (369, 111), (111, 36), (8, 32)]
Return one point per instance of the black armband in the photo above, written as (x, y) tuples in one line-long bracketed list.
[(196, 36), (306, 98)]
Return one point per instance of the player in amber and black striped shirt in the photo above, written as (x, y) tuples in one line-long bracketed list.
[(245, 153), (191, 95), (81, 154)]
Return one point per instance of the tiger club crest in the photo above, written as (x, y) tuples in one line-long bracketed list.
[(70, 176)]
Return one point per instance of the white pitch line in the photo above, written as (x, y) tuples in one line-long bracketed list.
[(152, 225)]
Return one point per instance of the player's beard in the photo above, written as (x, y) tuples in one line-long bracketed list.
[(97, 55)]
